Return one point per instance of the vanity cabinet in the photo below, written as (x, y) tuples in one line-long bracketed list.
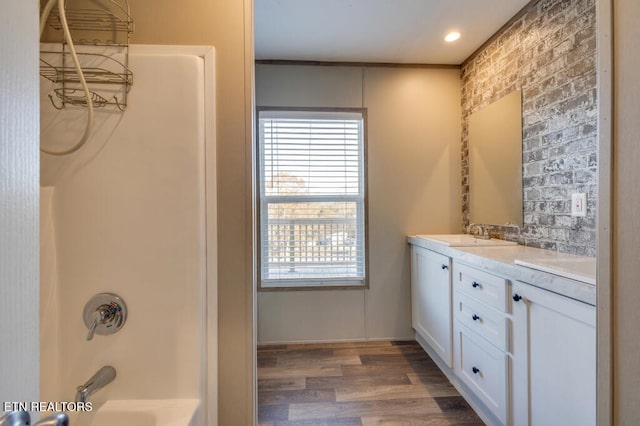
[(431, 300), (480, 342), (520, 353), (554, 358)]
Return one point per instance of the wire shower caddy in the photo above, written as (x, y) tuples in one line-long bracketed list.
[(107, 25)]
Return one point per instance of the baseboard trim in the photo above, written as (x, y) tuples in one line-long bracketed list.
[(329, 341)]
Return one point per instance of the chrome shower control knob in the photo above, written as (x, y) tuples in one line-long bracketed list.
[(104, 313)]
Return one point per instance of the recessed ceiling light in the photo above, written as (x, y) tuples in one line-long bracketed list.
[(452, 36)]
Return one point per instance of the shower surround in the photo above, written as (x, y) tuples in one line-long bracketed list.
[(133, 213)]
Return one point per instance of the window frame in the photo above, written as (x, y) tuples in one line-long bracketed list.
[(310, 284)]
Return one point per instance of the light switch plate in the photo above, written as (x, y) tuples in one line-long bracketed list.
[(579, 204)]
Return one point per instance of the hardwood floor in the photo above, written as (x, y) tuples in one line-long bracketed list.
[(361, 383)]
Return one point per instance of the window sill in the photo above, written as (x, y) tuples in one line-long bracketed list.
[(342, 284)]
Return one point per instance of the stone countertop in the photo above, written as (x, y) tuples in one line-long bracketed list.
[(500, 260)]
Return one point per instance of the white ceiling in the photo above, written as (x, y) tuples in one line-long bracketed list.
[(395, 31)]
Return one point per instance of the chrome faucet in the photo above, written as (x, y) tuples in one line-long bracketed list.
[(103, 377), (104, 314)]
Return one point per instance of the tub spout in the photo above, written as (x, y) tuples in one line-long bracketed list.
[(103, 377)]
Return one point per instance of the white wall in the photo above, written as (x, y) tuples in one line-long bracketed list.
[(413, 165), (129, 218), (19, 346)]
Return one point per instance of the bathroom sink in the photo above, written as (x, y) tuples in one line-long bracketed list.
[(465, 240), (575, 268)]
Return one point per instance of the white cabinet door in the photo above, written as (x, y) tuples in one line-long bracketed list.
[(431, 300), (554, 359)]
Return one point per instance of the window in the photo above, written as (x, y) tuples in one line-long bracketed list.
[(312, 198)]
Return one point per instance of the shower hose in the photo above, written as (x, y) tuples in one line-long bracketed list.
[(67, 35)]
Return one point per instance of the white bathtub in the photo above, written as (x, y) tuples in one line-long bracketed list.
[(142, 412)]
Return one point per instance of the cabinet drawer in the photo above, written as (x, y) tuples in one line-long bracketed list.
[(485, 287), (483, 368), (483, 320)]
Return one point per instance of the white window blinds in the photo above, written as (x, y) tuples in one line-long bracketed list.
[(312, 195)]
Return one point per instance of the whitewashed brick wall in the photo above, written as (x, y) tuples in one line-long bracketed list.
[(550, 54)]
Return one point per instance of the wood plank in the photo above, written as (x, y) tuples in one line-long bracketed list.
[(331, 361), (301, 352), (418, 407), (452, 404), (295, 396), (282, 372), (466, 419), (456, 408), (289, 383), (353, 381), (380, 350), (266, 361), (378, 393), (429, 378), (405, 358), (381, 370), (273, 412)]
